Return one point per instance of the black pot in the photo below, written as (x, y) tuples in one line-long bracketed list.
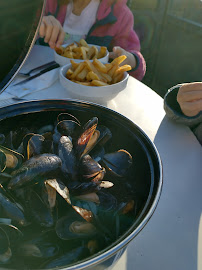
[(146, 173)]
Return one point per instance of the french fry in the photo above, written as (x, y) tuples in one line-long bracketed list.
[(74, 64), (118, 60), (108, 66), (92, 76), (122, 69), (68, 54), (112, 71), (95, 53), (118, 78), (83, 53), (107, 77), (83, 43), (101, 67), (102, 52), (59, 50), (91, 52), (69, 73), (82, 75), (91, 67), (79, 68), (98, 83)]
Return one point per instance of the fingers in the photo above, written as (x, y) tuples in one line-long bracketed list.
[(118, 51), (189, 98), (52, 31), (61, 38), (191, 108), (191, 86)]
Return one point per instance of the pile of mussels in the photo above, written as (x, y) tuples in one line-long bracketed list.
[(62, 197)]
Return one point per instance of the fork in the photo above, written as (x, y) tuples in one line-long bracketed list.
[(37, 68)]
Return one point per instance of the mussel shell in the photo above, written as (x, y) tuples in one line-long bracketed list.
[(105, 135), (4, 240), (2, 138), (10, 159), (45, 129), (35, 145), (39, 211), (67, 116), (71, 227), (11, 210), (60, 187), (118, 162), (2, 161), (68, 128), (34, 167), (4, 177), (87, 132), (107, 201), (44, 245), (13, 233), (78, 188), (67, 258), (90, 169), (68, 157)]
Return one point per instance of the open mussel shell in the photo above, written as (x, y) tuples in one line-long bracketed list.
[(67, 116), (10, 160), (44, 246), (5, 251), (68, 128), (35, 145), (14, 234), (118, 162), (90, 170), (74, 227), (85, 137), (60, 187)]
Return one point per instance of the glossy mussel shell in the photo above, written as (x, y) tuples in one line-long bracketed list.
[(9, 159)]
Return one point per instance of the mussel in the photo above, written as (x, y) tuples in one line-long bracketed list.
[(32, 168)]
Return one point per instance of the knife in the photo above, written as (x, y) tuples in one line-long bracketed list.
[(37, 68), (38, 74)]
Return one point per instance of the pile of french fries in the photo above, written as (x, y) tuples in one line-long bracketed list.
[(81, 50), (96, 73)]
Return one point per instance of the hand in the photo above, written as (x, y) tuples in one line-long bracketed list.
[(189, 98), (52, 32), (130, 60)]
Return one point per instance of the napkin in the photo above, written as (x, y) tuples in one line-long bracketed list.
[(43, 81)]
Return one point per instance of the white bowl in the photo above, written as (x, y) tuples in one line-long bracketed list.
[(98, 94), (61, 60)]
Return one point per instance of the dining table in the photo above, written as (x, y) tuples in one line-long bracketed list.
[(172, 239)]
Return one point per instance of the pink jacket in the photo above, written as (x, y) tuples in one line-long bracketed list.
[(113, 27)]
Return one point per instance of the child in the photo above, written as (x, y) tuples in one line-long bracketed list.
[(183, 104), (102, 22)]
